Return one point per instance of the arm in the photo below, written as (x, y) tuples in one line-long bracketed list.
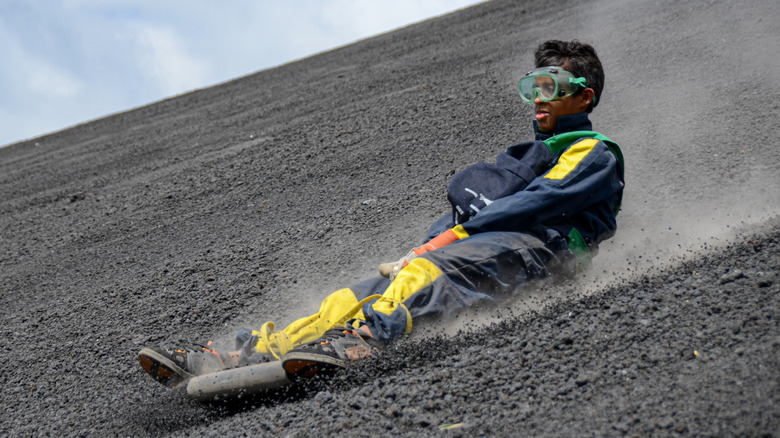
[(477, 186), (474, 188), (443, 239), (585, 173)]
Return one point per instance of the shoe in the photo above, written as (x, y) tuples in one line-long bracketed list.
[(173, 367), (337, 348)]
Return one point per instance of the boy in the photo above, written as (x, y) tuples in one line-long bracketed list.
[(540, 210)]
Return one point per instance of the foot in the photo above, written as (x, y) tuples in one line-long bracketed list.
[(174, 366), (337, 348)]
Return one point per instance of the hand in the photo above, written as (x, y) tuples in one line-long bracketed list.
[(385, 269), (391, 270)]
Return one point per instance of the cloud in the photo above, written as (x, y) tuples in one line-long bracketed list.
[(48, 80), (30, 72), (163, 57), (75, 60)]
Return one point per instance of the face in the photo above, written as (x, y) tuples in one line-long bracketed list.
[(547, 113)]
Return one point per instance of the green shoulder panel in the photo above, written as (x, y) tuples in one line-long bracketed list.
[(556, 144), (559, 142)]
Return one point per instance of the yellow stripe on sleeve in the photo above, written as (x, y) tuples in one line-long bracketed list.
[(571, 158)]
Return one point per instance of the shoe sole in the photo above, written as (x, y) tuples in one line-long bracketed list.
[(162, 369), (308, 365)]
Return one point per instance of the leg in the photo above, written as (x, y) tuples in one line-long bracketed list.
[(336, 309), (482, 267), (174, 366), (439, 282)]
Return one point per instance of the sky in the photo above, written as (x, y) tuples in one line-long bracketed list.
[(65, 62)]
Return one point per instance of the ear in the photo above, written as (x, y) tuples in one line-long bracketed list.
[(585, 98)]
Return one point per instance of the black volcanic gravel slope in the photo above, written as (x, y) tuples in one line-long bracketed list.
[(247, 201), (692, 350)]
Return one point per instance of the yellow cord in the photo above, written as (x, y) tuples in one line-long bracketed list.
[(278, 343)]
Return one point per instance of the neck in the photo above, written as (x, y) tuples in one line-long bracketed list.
[(569, 123)]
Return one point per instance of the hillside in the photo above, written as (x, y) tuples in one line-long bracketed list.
[(248, 201)]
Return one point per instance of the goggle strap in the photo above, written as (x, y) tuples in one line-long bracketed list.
[(582, 82)]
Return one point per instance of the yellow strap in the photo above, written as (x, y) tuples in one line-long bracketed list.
[(280, 339), (408, 328), (278, 343), (359, 306), (347, 316)]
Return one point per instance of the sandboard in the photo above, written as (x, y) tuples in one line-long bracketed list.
[(228, 384)]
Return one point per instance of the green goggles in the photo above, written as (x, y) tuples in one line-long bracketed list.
[(549, 83)]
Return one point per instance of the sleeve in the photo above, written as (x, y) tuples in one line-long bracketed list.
[(477, 186), (585, 173)]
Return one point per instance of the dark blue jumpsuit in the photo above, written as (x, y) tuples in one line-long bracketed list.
[(513, 221)]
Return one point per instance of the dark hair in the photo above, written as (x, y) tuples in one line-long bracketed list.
[(578, 58)]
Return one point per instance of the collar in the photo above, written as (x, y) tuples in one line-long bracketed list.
[(572, 122)]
